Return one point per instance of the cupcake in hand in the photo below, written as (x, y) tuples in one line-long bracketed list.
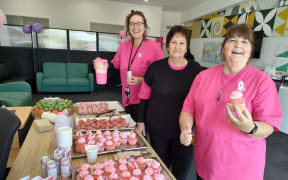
[(237, 99)]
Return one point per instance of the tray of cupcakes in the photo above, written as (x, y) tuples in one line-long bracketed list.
[(98, 108), (108, 141), (121, 122), (129, 168)]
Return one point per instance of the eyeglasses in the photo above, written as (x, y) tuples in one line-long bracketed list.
[(138, 24)]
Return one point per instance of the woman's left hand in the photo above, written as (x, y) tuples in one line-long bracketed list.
[(243, 122), (134, 80)]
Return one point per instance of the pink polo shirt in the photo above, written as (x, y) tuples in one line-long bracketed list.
[(149, 52), (221, 150)]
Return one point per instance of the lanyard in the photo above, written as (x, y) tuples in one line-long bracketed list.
[(132, 60)]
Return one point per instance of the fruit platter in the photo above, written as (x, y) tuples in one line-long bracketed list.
[(53, 105)]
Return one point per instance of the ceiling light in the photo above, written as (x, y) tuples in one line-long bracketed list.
[(146, 0)]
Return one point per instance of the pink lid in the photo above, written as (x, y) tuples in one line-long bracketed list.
[(159, 177), (113, 176), (236, 95), (109, 143), (137, 172), (83, 173), (123, 167), (98, 172), (88, 177), (126, 174), (141, 160), (149, 171), (81, 140), (98, 166), (147, 177), (84, 166)]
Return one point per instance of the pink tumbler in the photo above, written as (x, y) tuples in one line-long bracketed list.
[(101, 68)]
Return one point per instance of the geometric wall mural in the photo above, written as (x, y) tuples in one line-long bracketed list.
[(232, 11), (264, 21), (283, 3), (283, 54), (242, 18), (281, 23), (229, 21), (251, 18), (196, 27), (216, 27), (205, 28), (247, 7), (267, 4)]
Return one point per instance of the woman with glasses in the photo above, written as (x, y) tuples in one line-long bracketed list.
[(133, 58)]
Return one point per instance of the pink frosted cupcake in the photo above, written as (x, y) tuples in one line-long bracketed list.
[(91, 142), (107, 133), (108, 138), (141, 162), (109, 170), (100, 146), (109, 146), (79, 134), (98, 132), (100, 178), (147, 177), (134, 178), (111, 163), (132, 140), (123, 138), (97, 173), (149, 171), (113, 176), (137, 173), (98, 166), (122, 168), (122, 161), (126, 175), (80, 146), (116, 133), (88, 177), (156, 167), (82, 174), (85, 167), (159, 177), (117, 141)]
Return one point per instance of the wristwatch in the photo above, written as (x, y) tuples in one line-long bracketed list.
[(254, 130)]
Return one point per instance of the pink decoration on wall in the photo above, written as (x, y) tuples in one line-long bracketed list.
[(2, 18)]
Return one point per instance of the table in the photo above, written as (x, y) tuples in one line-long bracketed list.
[(23, 114), (37, 145)]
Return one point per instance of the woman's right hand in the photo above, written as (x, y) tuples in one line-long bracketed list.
[(141, 128), (186, 137)]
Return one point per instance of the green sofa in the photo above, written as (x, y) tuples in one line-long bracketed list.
[(65, 77), (15, 94)]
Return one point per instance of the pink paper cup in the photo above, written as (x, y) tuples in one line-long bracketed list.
[(101, 78)]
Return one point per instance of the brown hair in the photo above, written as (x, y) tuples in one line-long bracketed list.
[(128, 17), (177, 29), (241, 30)]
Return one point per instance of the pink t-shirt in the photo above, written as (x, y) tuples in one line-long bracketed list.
[(145, 91), (149, 52), (221, 150)]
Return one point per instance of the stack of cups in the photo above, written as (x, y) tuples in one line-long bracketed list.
[(101, 68), (64, 135)]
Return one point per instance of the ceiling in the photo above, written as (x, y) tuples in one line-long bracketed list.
[(168, 5)]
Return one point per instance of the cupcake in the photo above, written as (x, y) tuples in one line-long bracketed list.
[(88, 177), (159, 177), (122, 161), (141, 162), (109, 170), (108, 138), (100, 178), (100, 146), (147, 177), (98, 166), (109, 146), (116, 133), (122, 168), (156, 167), (134, 178), (236, 98), (132, 140), (137, 173), (149, 171), (80, 146), (82, 174), (97, 173), (113, 176), (126, 175), (85, 167), (98, 132), (111, 163), (91, 142), (107, 133), (117, 141), (123, 138)]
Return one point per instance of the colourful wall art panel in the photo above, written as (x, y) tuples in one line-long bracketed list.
[(227, 22), (216, 27), (211, 52), (205, 28), (264, 21), (196, 27), (280, 24)]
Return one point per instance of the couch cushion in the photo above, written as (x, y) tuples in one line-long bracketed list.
[(77, 70), (54, 81), (51, 69), (16, 98), (77, 82)]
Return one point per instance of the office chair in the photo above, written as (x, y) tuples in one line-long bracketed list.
[(9, 124)]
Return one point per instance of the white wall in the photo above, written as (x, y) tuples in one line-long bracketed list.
[(77, 14), (206, 7)]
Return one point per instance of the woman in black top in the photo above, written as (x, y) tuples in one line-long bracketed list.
[(165, 86)]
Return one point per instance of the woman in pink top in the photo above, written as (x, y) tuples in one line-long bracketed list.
[(231, 145), (133, 58)]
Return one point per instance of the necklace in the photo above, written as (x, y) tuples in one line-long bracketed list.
[(224, 86)]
